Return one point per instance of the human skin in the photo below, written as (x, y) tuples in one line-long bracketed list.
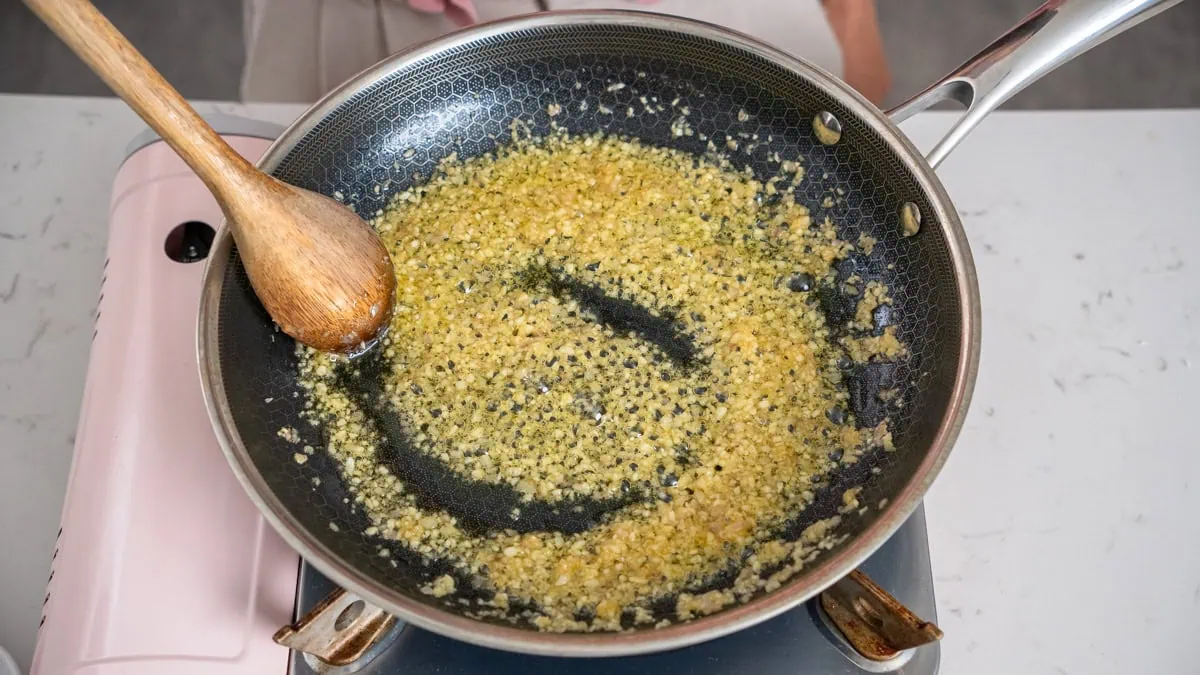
[(855, 24)]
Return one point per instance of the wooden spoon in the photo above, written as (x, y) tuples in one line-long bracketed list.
[(321, 272)]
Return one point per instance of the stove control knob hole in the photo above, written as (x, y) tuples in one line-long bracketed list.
[(189, 242)]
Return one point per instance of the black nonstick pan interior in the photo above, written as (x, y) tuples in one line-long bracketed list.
[(463, 100)]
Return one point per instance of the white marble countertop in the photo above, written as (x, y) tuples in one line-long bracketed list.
[(1065, 531)]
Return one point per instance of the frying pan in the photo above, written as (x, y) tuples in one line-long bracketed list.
[(460, 94)]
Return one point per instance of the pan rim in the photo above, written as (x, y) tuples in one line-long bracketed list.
[(806, 586)]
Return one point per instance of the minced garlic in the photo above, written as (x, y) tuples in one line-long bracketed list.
[(514, 359)]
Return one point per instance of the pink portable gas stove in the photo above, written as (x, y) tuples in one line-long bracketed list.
[(165, 567)]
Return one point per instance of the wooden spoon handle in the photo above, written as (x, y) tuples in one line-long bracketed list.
[(106, 51)]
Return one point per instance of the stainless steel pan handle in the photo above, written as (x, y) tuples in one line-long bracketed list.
[(1053, 34)]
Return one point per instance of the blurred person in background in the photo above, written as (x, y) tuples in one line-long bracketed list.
[(299, 50)]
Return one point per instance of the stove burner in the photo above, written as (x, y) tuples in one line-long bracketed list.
[(798, 642)]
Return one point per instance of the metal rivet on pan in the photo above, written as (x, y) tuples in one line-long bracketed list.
[(910, 219), (827, 128)]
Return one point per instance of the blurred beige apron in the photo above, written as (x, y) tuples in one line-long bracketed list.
[(298, 50)]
